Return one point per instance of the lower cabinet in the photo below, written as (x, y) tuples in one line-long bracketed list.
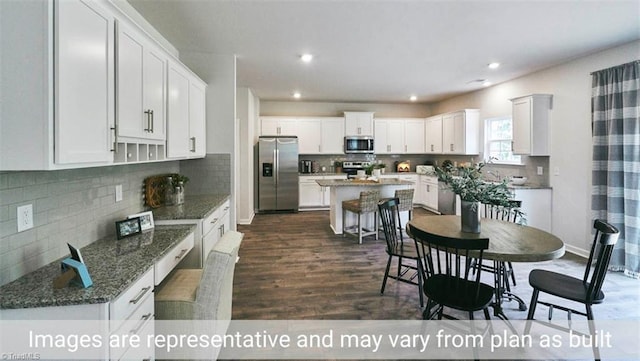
[(429, 192), (536, 205), (311, 195)]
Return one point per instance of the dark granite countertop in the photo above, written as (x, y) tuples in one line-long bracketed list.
[(362, 183), (113, 265), (194, 207)]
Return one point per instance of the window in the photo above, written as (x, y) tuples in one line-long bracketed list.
[(499, 133)]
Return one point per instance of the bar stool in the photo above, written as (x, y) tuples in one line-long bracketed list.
[(405, 196), (367, 203)]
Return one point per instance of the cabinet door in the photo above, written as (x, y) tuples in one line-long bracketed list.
[(309, 135), (155, 81), (332, 141), (521, 126), (358, 123), (311, 194), (431, 197), (132, 122), (268, 126), (433, 135), (84, 83), (381, 140), (177, 113), (395, 131), (414, 136), (453, 133), (197, 120)]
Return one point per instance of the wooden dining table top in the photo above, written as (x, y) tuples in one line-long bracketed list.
[(508, 241)]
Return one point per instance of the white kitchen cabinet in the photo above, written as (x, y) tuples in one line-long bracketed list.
[(332, 141), (358, 123), (531, 129), (197, 118), (182, 142), (429, 192), (433, 135), (311, 195), (536, 204), (142, 72), (58, 106), (309, 136), (278, 126), (389, 136), (460, 132), (414, 136)]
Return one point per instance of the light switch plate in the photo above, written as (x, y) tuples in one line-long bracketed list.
[(540, 171), (25, 217), (118, 192)]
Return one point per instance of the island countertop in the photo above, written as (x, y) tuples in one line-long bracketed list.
[(113, 265), (362, 183)]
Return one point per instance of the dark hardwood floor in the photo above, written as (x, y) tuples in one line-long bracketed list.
[(293, 267)]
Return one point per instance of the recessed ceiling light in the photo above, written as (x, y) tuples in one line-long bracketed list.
[(413, 98), (297, 95), (306, 58), (486, 83), (494, 65)]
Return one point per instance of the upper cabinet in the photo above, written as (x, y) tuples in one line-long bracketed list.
[(58, 102), (142, 73), (309, 136), (332, 136), (531, 116), (358, 123), (433, 135), (316, 135), (278, 126), (61, 107), (460, 132), (186, 123), (399, 135)]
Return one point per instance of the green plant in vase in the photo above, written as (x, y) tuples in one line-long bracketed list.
[(467, 182)]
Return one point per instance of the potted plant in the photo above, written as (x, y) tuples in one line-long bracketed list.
[(338, 165), (467, 182), (174, 194)]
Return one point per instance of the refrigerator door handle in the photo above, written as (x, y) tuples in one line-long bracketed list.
[(277, 177), (275, 166)]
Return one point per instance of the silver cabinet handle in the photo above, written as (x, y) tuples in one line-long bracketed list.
[(432, 147), (148, 113), (140, 295), (214, 220), (143, 319), (182, 253), (152, 121), (319, 150), (193, 144), (512, 145), (451, 147)]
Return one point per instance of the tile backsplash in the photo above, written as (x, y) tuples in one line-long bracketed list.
[(76, 206), (208, 175)]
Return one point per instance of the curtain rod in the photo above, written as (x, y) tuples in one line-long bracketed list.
[(631, 62)]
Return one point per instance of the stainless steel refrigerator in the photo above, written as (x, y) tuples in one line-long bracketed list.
[(277, 173)]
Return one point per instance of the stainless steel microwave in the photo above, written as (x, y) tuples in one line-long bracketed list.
[(358, 144)]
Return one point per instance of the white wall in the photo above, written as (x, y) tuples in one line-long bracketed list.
[(336, 109), (247, 114), (570, 84)]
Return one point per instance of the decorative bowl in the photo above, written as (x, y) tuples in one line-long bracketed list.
[(518, 180)]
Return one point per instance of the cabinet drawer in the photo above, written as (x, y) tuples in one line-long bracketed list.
[(209, 222), (210, 240), (171, 259), (131, 298), (140, 323)]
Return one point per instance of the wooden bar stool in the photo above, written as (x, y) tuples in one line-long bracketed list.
[(367, 203)]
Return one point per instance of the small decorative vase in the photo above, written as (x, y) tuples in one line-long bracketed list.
[(376, 173), (470, 216)]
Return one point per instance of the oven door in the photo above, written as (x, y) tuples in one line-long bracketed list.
[(358, 144)]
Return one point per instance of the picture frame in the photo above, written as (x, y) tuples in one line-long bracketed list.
[(146, 220), (75, 253), (128, 227)]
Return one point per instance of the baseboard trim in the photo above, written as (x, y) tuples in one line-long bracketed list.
[(247, 221), (577, 251)]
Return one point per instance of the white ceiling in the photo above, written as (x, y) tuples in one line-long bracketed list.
[(384, 51)]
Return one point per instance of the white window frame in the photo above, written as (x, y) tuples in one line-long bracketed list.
[(489, 140)]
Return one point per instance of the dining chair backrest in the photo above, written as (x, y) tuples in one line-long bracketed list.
[(390, 216), (451, 258), (503, 213), (604, 240)]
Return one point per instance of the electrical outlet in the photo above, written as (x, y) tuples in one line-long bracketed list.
[(118, 192), (540, 171), (556, 171), (25, 217)]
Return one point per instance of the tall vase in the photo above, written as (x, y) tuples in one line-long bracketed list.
[(470, 216)]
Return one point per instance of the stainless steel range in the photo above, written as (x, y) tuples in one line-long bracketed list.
[(352, 168)]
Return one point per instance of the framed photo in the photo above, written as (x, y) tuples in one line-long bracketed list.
[(146, 220), (128, 227)]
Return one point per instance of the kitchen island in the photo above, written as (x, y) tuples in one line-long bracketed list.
[(342, 190)]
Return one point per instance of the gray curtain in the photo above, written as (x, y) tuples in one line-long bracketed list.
[(615, 108)]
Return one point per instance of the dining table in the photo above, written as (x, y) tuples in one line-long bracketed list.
[(508, 242)]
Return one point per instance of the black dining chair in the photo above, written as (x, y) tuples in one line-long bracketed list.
[(508, 213), (587, 290), (409, 264), (448, 280)]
